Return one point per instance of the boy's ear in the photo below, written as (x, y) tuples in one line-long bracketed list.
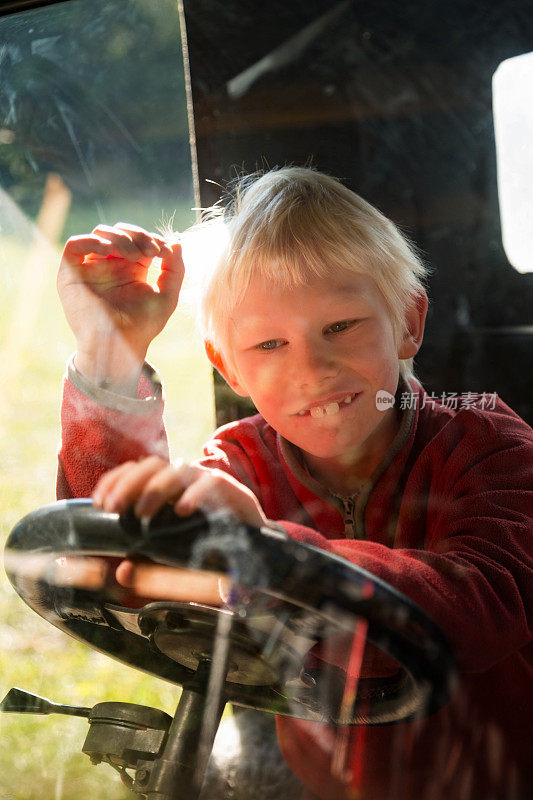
[(217, 361), (415, 319)]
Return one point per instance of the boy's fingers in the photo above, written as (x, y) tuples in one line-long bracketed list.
[(87, 573), (117, 490), (164, 487), (122, 241), (211, 493), (148, 484), (78, 247), (174, 583), (203, 493), (124, 573), (171, 275), (152, 244), (108, 481)]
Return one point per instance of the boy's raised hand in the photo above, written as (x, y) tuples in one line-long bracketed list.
[(112, 310)]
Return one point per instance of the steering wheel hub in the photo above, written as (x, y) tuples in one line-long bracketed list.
[(186, 633)]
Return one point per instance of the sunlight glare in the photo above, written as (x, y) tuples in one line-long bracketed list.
[(512, 87)]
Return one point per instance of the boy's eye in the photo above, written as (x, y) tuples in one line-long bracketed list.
[(270, 344), (338, 327)]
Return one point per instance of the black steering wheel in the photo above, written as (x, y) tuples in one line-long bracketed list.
[(289, 629)]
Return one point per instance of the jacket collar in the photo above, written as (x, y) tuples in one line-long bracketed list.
[(387, 474)]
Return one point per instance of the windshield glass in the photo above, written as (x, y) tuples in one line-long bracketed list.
[(93, 130)]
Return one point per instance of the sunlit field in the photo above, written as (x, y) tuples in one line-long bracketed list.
[(40, 757)]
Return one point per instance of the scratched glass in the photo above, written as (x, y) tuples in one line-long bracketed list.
[(93, 128)]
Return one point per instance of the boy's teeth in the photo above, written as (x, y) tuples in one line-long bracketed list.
[(329, 408), (322, 411)]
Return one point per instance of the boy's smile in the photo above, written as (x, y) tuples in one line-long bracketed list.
[(312, 359), (331, 406)]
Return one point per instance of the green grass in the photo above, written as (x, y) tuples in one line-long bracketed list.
[(41, 757), (134, 210)]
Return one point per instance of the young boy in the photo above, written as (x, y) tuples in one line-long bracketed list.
[(315, 310)]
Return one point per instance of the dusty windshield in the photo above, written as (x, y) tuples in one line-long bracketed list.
[(93, 129)]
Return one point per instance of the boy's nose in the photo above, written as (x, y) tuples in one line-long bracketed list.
[(314, 364)]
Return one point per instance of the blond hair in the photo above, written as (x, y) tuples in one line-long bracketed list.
[(292, 224)]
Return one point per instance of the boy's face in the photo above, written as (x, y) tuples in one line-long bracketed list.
[(312, 359)]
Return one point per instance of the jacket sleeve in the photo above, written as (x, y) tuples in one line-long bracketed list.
[(474, 576), (100, 430)]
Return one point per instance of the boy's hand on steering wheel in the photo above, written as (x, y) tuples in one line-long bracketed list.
[(112, 310), (149, 484), (153, 482)]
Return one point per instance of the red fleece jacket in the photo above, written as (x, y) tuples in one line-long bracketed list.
[(447, 519)]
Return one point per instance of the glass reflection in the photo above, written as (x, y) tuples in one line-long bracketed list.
[(93, 128)]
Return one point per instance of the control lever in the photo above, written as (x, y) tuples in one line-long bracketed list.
[(120, 734), (21, 702)]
